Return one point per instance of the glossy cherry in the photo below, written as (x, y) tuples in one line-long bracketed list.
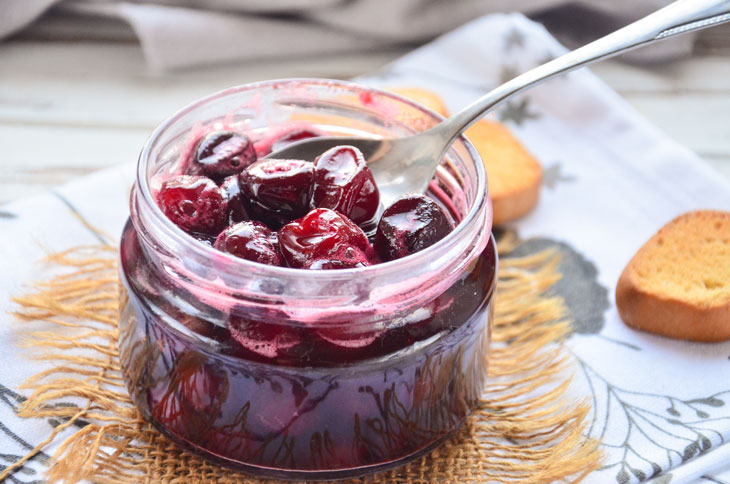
[(409, 225), (343, 182), (223, 153), (194, 203), (252, 241), (278, 190), (236, 203), (324, 239)]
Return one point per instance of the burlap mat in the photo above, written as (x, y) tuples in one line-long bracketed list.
[(527, 430)]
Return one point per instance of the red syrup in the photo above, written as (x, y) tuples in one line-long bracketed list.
[(309, 401)]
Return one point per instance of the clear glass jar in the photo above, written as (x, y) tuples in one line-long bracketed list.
[(370, 367)]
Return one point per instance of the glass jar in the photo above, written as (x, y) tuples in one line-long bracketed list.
[(342, 372)]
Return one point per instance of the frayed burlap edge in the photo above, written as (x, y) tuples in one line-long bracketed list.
[(526, 430)]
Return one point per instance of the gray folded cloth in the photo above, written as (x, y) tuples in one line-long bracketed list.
[(183, 33)]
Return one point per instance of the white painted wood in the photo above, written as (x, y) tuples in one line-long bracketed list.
[(77, 59), (108, 84), (36, 158)]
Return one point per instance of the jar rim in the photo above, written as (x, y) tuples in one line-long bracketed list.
[(205, 251)]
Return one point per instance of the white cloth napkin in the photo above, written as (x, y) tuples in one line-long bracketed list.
[(661, 407), (180, 33)]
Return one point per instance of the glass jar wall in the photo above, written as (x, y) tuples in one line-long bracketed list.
[(347, 371)]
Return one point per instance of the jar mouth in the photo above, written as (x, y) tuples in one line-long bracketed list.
[(235, 264)]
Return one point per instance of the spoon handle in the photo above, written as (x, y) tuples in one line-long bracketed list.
[(677, 18)]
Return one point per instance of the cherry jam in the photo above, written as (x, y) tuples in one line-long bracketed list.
[(248, 349), (306, 403)]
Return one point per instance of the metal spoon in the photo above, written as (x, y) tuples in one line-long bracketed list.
[(408, 164)]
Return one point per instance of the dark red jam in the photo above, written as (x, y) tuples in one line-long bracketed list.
[(283, 399), (264, 391)]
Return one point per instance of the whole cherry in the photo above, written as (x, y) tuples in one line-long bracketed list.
[(252, 241), (324, 239), (223, 153), (411, 224), (343, 182), (278, 190), (194, 203)]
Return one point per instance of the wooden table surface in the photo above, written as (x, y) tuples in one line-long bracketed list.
[(69, 108)]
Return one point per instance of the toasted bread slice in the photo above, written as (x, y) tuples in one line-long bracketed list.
[(678, 283), (424, 96), (514, 174)]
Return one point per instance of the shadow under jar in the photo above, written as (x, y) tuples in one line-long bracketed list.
[(361, 369)]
